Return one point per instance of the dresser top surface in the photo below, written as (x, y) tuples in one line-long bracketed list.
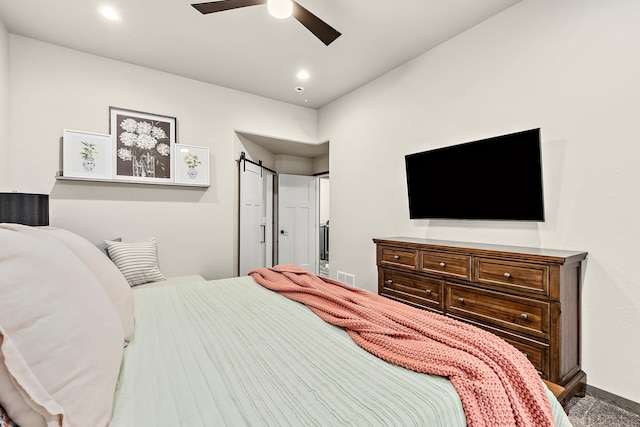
[(483, 247)]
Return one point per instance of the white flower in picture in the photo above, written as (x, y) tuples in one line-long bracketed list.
[(163, 149), (144, 128), (158, 133), (129, 125), (125, 154), (128, 139)]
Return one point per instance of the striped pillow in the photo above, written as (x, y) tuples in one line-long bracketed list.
[(138, 262)]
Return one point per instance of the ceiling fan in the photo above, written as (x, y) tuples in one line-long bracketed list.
[(280, 9)]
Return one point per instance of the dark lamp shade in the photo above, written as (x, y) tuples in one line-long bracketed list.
[(27, 209)]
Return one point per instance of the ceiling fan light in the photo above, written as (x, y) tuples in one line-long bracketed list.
[(280, 8)]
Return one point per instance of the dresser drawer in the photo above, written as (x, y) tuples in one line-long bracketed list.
[(513, 276), (505, 311), (536, 352), (397, 257), (538, 355), (450, 265), (421, 292)]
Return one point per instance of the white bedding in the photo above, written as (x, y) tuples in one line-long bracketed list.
[(171, 281), (232, 353)]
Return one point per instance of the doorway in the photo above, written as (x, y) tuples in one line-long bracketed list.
[(287, 157), (297, 218), (323, 238)]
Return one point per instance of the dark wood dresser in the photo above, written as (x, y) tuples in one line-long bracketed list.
[(528, 296)]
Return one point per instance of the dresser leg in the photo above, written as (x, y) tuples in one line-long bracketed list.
[(575, 387)]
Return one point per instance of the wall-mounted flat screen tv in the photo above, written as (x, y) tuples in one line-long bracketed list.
[(498, 178)]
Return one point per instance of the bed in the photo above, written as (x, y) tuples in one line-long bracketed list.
[(224, 352)]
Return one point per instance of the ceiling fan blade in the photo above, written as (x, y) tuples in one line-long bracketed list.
[(219, 6), (325, 32)]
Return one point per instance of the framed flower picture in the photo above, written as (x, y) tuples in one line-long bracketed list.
[(143, 145), (86, 155), (192, 165)]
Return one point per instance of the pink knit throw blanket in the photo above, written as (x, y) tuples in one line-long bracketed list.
[(497, 385)]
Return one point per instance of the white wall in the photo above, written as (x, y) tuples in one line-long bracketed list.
[(255, 152), (325, 193), (281, 163), (4, 108), (321, 164), (294, 165), (53, 88), (570, 67)]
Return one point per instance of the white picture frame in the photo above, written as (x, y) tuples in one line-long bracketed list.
[(86, 155), (191, 165)]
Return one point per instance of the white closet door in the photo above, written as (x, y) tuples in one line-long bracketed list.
[(252, 227), (297, 218)]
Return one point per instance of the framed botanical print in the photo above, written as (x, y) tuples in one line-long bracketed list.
[(86, 155), (192, 165), (143, 145)]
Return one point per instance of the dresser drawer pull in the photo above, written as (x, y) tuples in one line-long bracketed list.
[(525, 355), (461, 300), (507, 275), (428, 291), (524, 316), (389, 281), (442, 264), (396, 257)]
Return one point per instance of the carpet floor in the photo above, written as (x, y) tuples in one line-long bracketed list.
[(590, 411)]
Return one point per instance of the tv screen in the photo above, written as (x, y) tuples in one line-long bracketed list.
[(498, 178)]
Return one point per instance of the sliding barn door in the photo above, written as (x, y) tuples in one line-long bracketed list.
[(256, 217)]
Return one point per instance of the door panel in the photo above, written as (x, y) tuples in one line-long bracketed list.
[(252, 244), (297, 236)]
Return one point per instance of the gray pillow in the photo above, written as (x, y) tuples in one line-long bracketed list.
[(103, 246)]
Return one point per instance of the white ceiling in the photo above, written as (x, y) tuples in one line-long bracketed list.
[(247, 49)]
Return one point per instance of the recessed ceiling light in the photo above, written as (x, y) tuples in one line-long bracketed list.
[(109, 13), (303, 74)]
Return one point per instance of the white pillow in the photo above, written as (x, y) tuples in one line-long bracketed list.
[(112, 281), (62, 338), (138, 262)]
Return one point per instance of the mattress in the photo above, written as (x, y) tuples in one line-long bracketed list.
[(171, 281), (232, 353)]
